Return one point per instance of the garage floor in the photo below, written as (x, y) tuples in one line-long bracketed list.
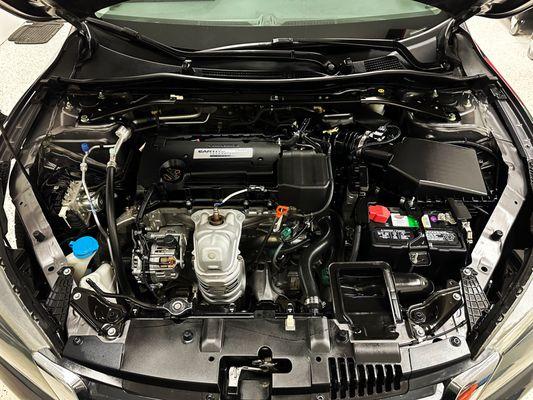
[(21, 65)]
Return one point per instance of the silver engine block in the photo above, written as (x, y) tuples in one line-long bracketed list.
[(218, 265)]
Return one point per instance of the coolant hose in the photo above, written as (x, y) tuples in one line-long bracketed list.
[(120, 273), (307, 260), (356, 243)]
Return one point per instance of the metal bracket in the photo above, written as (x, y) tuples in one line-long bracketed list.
[(177, 307), (266, 366), (105, 317), (234, 376), (436, 309)]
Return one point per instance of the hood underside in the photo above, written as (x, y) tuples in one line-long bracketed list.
[(80, 9)]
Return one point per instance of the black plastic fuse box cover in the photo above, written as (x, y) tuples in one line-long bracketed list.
[(432, 167), (304, 177)]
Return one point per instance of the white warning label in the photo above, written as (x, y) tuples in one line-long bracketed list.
[(440, 236), (223, 152)]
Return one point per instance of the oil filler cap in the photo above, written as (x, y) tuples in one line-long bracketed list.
[(84, 246), (379, 214)]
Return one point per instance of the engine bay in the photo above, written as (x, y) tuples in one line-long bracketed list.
[(359, 221)]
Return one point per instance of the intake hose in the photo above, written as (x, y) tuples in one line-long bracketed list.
[(307, 260), (122, 279)]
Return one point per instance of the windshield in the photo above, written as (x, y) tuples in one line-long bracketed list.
[(206, 23), (266, 13)]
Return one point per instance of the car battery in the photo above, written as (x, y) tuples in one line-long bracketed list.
[(445, 238), (407, 242)]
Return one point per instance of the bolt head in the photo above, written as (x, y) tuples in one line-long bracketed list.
[(67, 271), (177, 305), (112, 332), (455, 341), (187, 336), (342, 336), (77, 340), (77, 296), (496, 235), (419, 331), (456, 296)]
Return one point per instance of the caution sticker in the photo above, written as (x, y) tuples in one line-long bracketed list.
[(223, 152), (403, 221)]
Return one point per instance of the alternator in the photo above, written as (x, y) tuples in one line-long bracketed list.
[(218, 264), (166, 255)]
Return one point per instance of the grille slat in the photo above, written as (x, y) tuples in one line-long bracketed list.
[(382, 64), (351, 380)]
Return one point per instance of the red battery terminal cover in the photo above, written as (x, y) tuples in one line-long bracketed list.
[(379, 214)]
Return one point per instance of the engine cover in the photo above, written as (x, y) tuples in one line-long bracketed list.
[(181, 163), (218, 265)]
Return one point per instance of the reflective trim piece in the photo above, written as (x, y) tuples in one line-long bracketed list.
[(68, 378)]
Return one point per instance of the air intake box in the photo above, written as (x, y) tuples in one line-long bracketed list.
[(304, 177), (428, 167)]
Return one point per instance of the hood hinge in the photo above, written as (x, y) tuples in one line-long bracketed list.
[(90, 43), (446, 54)]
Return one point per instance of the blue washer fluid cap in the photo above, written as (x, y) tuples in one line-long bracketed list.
[(85, 147), (84, 247)]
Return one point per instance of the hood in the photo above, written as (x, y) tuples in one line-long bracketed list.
[(80, 9)]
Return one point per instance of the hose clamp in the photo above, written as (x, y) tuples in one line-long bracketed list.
[(312, 300)]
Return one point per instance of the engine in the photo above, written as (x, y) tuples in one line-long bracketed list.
[(238, 211)]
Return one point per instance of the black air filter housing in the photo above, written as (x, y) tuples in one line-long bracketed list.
[(436, 168), (304, 177)]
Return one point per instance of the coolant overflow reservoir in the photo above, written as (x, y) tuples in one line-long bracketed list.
[(218, 264)]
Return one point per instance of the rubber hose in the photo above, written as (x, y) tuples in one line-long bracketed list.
[(122, 278), (310, 256), (356, 243)]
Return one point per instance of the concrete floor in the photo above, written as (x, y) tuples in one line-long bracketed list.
[(21, 65), (507, 53), (8, 24)]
